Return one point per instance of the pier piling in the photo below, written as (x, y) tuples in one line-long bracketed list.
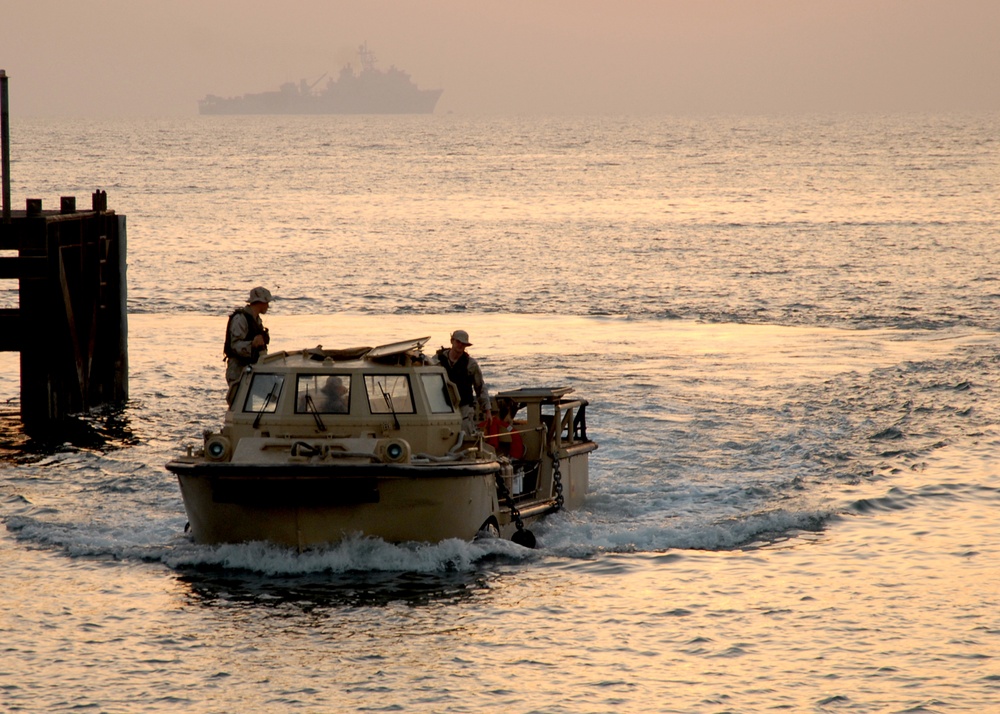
[(70, 325)]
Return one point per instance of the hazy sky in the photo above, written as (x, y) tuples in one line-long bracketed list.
[(145, 58)]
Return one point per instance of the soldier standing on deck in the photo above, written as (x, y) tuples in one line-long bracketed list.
[(246, 338), (464, 371)]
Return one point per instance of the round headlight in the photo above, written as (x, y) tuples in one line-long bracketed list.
[(217, 448), (394, 451)]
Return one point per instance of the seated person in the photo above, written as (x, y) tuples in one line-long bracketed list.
[(333, 396)]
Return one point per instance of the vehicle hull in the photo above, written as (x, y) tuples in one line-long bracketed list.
[(304, 506)]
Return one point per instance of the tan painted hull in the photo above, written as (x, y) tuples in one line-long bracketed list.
[(302, 507), (396, 509)]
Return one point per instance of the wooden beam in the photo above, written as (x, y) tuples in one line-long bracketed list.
[(74, 335), (13, 268), (10, 330)]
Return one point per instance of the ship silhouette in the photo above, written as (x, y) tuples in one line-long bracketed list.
[(368, 91)]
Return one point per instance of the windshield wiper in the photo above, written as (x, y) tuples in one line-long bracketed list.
[(388, 403), (256, 421), (311, 407)]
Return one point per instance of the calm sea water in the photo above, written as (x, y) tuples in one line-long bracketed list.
[(787, 330)]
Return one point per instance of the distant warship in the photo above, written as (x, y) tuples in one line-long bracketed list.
[(370, 91)]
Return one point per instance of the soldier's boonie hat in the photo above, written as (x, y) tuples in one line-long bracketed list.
[(462, 336), (259, 295)]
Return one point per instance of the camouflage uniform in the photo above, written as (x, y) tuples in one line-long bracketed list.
[(244, 326), (468, 377)]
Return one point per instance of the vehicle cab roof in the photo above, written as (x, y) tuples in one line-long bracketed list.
[(406, 353)]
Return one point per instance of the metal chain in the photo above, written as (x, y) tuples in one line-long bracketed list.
[(505, 495), (557, 480)]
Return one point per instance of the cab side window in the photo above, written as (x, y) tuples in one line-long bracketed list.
[(437, 394)]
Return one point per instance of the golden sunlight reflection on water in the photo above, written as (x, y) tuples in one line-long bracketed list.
[(819, 350), (762, 352), (892, 606), (866, 614)]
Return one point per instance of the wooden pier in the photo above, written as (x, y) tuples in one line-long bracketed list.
[(71, 323)]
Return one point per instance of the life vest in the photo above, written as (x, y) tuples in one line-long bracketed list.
[(459, 374), (503, 437), (517, 449), (254, 328), (492, 428)]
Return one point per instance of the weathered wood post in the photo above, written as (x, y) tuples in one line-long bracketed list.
[(71, 323), (5, 145)]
